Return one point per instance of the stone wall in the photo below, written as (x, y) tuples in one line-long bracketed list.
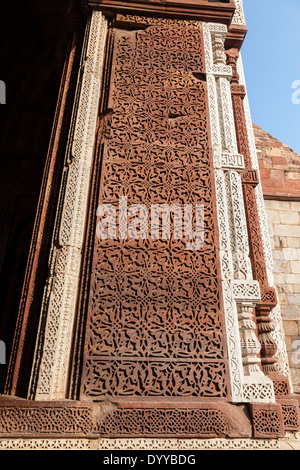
[(280, 174), (279, 167)]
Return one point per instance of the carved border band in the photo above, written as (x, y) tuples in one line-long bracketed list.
[(77, 422), (278, 334), (50, 369), (239, 16), (240, 291), (139, 444)]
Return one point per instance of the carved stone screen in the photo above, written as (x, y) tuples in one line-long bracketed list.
[(155, 325)]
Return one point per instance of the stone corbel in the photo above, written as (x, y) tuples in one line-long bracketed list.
[(214, 36), (246, 295), (249, 343)]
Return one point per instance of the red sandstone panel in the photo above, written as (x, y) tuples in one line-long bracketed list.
[(204, 10), (155, 324)]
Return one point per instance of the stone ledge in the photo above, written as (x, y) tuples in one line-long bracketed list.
[(20, 418), (289, 442), (87, 419)]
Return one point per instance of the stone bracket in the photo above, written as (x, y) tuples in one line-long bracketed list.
[(250, 177), (246, 291)]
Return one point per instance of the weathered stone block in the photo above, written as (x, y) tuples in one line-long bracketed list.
[(290, 312), (292, 242), (292, 254), (280, 242), (282, 267), (292, 278), (293, 175), (284, 230), (273, 216), (278, 205), (282, 298), (288, 217), (295, 205), (293, 299), (295, 266), (290, 328), (275, 152)]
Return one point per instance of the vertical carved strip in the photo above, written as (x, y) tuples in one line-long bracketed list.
[(239, 239), (225, 251), (249, 342), (275, 315), (18, 371), (232, 327), (237, 222), (50, 371), (226, 112), (236, 264), (239, 16), (250, 180)]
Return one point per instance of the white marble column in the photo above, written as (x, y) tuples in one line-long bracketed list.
[(240, 291)]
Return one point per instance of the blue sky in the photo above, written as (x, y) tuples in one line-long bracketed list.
[(271, 56)]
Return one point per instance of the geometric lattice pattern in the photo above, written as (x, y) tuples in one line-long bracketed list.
[(155, 325), (29, 419), (267, 420), (47, 420), (158, 422)]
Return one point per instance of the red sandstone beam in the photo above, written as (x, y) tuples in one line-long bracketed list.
[(204, 10)]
